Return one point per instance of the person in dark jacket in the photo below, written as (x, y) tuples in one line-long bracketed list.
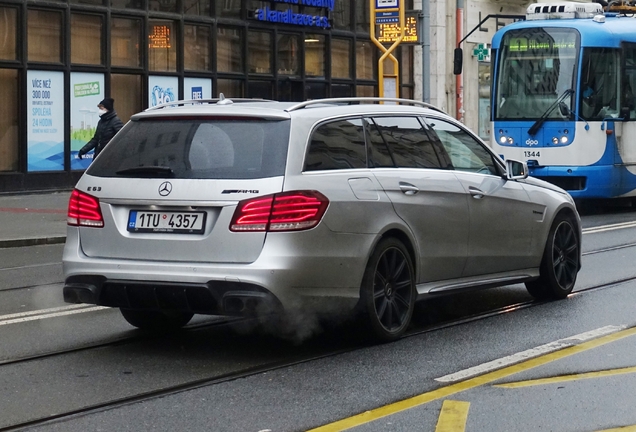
[(108, 125)]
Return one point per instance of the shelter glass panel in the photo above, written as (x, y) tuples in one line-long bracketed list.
[(196, 7), (228, 8)]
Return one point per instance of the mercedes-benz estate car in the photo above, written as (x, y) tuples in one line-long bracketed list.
[(249, 207)]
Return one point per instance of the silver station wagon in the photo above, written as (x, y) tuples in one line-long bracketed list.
[(251, 207)]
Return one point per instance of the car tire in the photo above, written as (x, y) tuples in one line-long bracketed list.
[(388, 290), (560, 263), (156, 320)]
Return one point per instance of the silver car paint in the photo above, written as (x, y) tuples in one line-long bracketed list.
[(328, 260)]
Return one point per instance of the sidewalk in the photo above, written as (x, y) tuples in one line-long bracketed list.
[(33, 219)]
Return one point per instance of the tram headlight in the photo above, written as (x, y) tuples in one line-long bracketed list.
[(503, 139), (564, 140), (555, 140), (510, 140)]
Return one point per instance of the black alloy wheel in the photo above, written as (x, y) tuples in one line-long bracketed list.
[(388, 290), (560, 263)]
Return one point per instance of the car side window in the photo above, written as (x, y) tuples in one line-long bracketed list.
[(409, 143), (337, 145), (379, 154), (465, 152)]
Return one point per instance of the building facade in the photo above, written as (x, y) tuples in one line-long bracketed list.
[(59, 58)]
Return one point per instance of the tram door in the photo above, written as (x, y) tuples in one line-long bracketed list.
[(626, 142)]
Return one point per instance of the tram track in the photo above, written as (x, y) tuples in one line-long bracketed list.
[(250, 371)]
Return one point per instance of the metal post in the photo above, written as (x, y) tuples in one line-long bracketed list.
[(425, 32)]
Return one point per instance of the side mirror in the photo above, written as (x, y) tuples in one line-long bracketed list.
[(516, 169), (458, 61), (564, 110)]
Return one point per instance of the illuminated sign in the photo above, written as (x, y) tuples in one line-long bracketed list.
[(160, 36), (390, 33), (525, 44), (289, 16)]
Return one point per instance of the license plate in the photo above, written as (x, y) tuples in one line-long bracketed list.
[(166, 222)]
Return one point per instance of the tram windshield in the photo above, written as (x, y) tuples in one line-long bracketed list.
[(537, 67)]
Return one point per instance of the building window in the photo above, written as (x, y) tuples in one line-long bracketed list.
[(260, 89), (230, 88), (315, 55), (366, 91), (196, 7), (126, 91), (44, 34), (8, 18), (87, 2), (288, 55), (259, 45), (9, 120), (228, 9), (196, 47), (125, 42), (163, 6), (229, 49), (162, 46), (128, 4), (86, 39), (340, 58), (342, 15), (364, 60), (362, 16)]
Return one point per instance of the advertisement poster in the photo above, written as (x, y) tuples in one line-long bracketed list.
[(162, 90), (87, 90), (45, 121), (197, 88)]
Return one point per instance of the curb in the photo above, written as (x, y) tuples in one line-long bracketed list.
[(32, 242)]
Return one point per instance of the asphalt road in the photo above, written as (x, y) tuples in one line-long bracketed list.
[(328, 376)]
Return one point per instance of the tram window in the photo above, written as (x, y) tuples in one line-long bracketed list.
[(599, 84), (628, 83)]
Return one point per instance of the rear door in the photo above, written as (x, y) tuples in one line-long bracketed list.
[(426, 195), (502, 217), (168, 188)]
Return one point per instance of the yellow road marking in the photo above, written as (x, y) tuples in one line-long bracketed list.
[(453, 416), (631, 428), (424, 398), (572, 377)]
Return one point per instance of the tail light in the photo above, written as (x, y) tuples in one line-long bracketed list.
[(288, 211), (83, 210)]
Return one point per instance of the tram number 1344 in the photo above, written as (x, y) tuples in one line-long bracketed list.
[(532, 154)]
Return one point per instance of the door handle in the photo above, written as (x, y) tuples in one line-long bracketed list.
[(475, 192), (408, 188)]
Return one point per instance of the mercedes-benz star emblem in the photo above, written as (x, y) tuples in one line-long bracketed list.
[(165, 188)]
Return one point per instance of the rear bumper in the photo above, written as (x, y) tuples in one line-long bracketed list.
[(213, 297), (323, 276)]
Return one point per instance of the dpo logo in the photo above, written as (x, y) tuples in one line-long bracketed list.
[(530, 142)]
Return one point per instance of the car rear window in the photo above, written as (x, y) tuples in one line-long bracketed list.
[(197, 149)]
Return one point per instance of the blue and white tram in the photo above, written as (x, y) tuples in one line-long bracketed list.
[(562, 97)]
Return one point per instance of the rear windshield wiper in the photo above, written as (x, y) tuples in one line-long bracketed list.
[(150, 171), (535, 127)]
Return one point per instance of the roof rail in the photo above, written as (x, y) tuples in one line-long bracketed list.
[(358, 100), (221, 100)]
